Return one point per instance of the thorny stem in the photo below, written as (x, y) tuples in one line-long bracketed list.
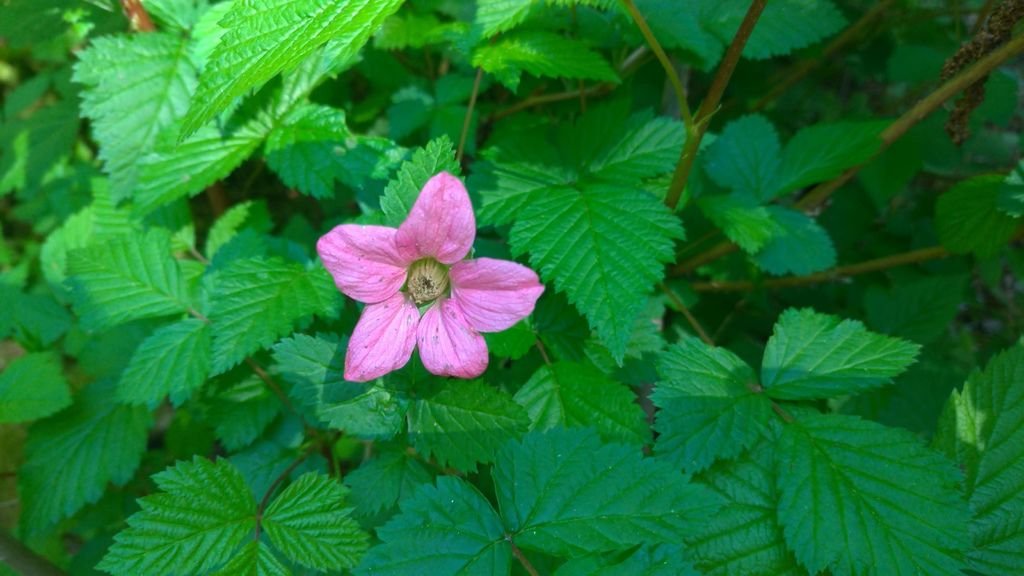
[(137, 15), (277, 482), (695, 132), (521, 557), (23, 560), (469, 115), (678, 303), (912, 257), (894, 132), (659, 52)]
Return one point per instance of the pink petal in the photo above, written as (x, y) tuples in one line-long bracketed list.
[(383, 339), (364, 261), (441, 224), (494, 294), (448, 345)]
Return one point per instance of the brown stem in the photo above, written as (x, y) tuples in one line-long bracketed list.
[(23, 560), (912, 257), (678, 303), (262, 374), (217, 198), (469, 115), (806, 66), (659, 52), (786, 416), (137, 15), (273, 486), (695, 132), (543, 351), (521, 557)]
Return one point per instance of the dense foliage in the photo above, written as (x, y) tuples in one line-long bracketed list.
[(780, 331)]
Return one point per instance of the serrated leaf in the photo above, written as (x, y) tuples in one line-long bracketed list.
[(541, 54), (513, 343), (385, 480), (744, 536), (174, 360), (254, 559), (464, 423), (315, 367), (309, 524), (967, 217), (710, 405), (1010, 199), (604, 246), (567, 394), (659, 560), (33, 387), (266, 38), (798, 245), (305, 149), (679, 26), (812, 355), (821, 152), (788, 25), (919, 310), (857, 497), (449, 528), (72, 456), (745, 157), (195, 523), (647, 146), (174, 172), (255, 302), (249, 214), (564, 493), (493, 16), (241, 410), (985, 425), (135, 87), (403, 190), (125, 279), (741, 219)]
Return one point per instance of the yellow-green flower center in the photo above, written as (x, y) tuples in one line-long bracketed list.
[(428, 280)]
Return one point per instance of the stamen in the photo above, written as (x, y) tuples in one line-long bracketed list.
[(428, 280)]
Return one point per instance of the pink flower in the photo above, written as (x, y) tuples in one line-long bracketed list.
[(418, 267)]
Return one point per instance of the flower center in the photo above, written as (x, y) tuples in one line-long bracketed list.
[(428, 279)]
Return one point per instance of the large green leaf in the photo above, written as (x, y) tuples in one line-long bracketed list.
[(32, 387), (812, 355), (823, 151), (658, 560), (798, 244), (857, 497), (72, 456), (266, 38), (403, 190), (541, 54), (174, 360), (710, 405), (968, 219), (382, 482), (305, 149), (745, 157), (983, 428)]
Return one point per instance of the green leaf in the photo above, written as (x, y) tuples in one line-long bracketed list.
[(174, 360), (315, 367), (785, 26), (202, 514), (985, 426), (919, 310), (135, 87), (647, 146), (125, 279), (255, 302), (35, 318), (32, 387), (564, 493), (174, 172), (799, 245), (967, 217), (309, 524), (604, 246), (72, 456), (567, 394), (812, 355), (305, 149), (741, 219), (1011, 199), (659, 560), (541, 54), (464, 423), (679, 26), (710, 405), (858, 496), (745, 157), (250, 214), (822, 152), (254, 559), (403, 190), (494, 16), (449, 528), (240, 410), (744, 537), (266, 38), (513, 343), (380, 483)]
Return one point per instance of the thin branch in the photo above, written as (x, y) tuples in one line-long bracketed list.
[(709, 105), (521, 557), (878, 264), (24, 561), (798, 72), (469, 115), (543, 351), (786, 416), (137, 15), (678, 303), (262, 374), (277, 482), (659, 52)]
